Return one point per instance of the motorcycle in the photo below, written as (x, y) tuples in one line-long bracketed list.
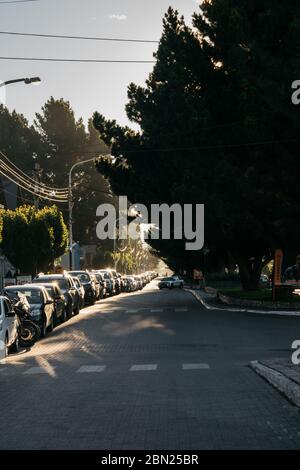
[(29, 332)]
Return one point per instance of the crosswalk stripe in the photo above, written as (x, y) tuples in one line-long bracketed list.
[(195, 366), (156, 310), (132, 311), (35, 370), (143, 367), (88, 369)]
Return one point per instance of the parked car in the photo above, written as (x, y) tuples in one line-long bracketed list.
[(109, 281), (60, 312), (171, 282), (41, 304), (8, 327), (100, 284), (117, 281), (80, 289), (67, 287), (97, 286), (88, 283)]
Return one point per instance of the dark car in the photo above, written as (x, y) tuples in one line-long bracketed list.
[(41, 304), (60, 313), (117, 281), (89, 286), (67, 287), (109, 281), (100, 284), (80, 290)]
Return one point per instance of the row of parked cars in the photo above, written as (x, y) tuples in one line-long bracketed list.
[(54, 298)]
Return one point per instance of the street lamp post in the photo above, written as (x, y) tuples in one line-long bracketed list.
[(27, 81), (71, 210)]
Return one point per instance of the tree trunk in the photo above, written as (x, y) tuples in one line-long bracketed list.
[(250, 271)]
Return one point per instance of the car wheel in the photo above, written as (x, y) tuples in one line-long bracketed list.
[(51, 326), (15, 346), (44, 329), (69, 310), (76, 310), (63, 317), (6, 348)]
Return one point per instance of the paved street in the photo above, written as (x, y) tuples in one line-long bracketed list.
[(150, 370)]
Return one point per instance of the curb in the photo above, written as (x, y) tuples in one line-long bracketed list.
[(283, 384), (282, 313)]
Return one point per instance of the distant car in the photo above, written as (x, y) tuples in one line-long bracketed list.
[(60, 313), (8, 327), (41, 304), (80, 290), (67, 287), (88, 282), (171, 282)]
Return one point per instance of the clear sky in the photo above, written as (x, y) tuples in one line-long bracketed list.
[(88, 87)]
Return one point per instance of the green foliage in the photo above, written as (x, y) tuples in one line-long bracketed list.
[(32, 239), (218, 127)]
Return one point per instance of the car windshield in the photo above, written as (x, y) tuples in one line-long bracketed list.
[(83, 277), (34, 296), (60, 281)]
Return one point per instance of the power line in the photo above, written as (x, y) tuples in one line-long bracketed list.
[(33, 185), (42, 196), (81, 38), (27, 178), (84, 61)]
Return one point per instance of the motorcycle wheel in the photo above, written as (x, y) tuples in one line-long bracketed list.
[(28, 334)]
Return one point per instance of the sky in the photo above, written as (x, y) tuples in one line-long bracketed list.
[(88, 87)]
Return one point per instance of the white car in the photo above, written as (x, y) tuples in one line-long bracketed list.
[(8, 328), (171, 282)]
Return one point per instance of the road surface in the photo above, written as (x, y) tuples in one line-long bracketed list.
[(150, 370)]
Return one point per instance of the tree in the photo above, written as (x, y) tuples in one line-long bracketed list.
[(21, 143), (70, 143), (31, 239), (218, 127)]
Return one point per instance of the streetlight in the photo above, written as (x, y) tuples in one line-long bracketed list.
[(71, 210), (27, 81), (130, 218)]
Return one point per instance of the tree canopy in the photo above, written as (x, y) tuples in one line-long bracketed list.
[(217, 126), (32, 239)]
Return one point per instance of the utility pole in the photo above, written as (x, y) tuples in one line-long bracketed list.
[(71, 210)]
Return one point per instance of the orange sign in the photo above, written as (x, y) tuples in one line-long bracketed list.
[(277, 267)]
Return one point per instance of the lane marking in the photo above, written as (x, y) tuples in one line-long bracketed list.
[(156, 310), (35, 370), (181, 309), (143, 367), (200, 366), (89, 369), (132, 311)]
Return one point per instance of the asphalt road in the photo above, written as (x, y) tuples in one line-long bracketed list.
[(150, 370)]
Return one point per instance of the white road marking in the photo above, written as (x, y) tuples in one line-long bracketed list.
[(195, 366), (35, 370), (88, 369), (132, 311), (143, 367), (156, 310), (181, 309)]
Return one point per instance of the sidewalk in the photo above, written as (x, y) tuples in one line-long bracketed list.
[(282, 374), (211, 302)]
